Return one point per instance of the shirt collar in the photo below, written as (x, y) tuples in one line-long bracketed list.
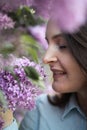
[(72, 104)]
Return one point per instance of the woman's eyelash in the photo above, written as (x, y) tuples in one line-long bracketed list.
[(62, 46)]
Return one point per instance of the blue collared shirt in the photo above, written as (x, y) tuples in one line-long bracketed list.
[(13, 126), (48, 117)]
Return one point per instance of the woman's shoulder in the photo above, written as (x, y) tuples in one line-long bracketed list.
[(44, 106), (42, 100), (32, 117)]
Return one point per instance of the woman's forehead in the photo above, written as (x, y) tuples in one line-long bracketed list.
[(52, 30)]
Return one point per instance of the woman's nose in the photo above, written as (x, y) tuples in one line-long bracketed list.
[(49, 56)]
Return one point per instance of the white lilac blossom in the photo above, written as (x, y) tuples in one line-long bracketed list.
[(5, 22), (18, 89)]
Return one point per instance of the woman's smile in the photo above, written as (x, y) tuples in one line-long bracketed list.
[(57, 74)]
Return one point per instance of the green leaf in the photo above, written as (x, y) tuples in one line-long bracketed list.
[(3, 101), (31, 73), (7, 49), (30, 46), (24, 16), (33, 53), (25, 38)]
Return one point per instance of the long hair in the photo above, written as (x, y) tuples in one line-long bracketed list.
[(77, 43)]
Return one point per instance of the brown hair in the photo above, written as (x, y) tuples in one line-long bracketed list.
[(77, 43)]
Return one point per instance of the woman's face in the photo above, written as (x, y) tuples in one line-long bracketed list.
[(67, 74)]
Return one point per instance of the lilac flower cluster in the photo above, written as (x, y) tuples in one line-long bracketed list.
[(1, 123), (12, 5), (5, 22), (19, 90), (43, 7), (22, 62), (68, 14), (7, 6)]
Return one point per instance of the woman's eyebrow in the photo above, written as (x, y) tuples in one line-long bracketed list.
[(54, 37), (57, 36)]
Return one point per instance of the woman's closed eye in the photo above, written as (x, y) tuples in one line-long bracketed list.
[(62, 46)]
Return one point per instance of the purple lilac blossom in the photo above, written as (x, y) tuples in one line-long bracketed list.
[(68, 14), (21, 92), (6, 22), (11, 5), (71, 14), (42, 7), (38, 32), (21, 62)]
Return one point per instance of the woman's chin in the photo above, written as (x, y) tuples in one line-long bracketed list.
[(56, 87), (60, 87)]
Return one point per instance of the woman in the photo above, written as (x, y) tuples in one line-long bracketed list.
[(67, 58)]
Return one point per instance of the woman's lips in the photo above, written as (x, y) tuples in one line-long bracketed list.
[(58, 74)]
